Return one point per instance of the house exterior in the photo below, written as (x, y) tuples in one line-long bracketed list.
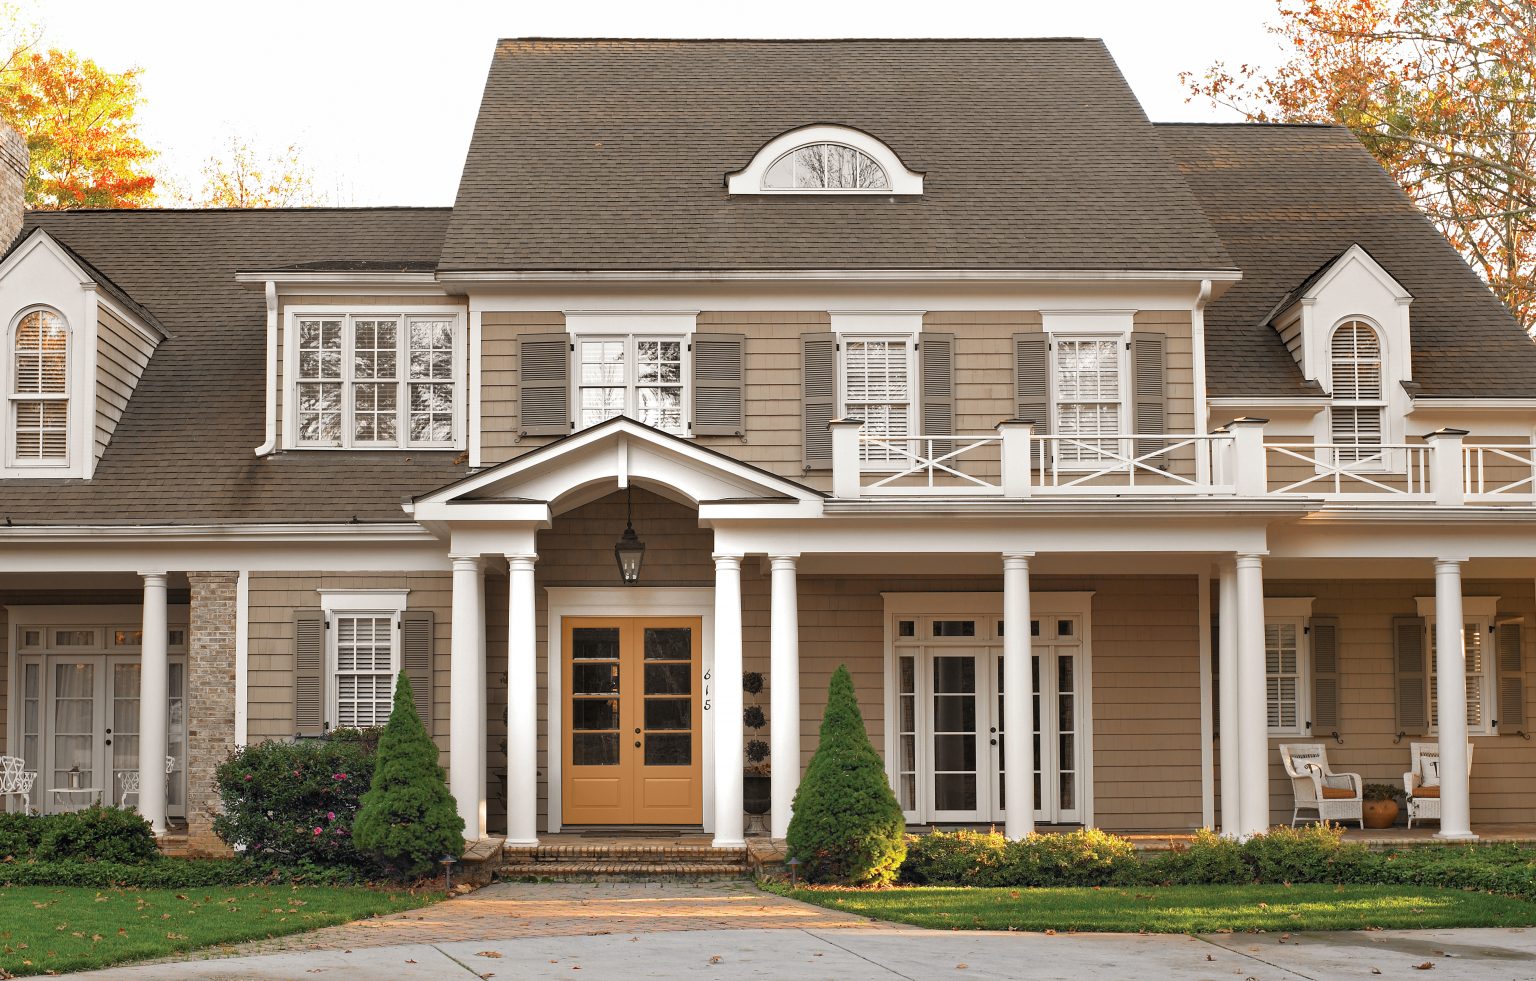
[(881, 348)]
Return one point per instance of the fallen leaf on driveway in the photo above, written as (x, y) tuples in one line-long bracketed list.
[(714, 959), (1426, 966), (491, 953)]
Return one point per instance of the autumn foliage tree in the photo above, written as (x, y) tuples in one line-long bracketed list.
[(1442, 92), (246, 178)]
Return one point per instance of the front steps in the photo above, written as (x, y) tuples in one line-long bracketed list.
[(619, 862)]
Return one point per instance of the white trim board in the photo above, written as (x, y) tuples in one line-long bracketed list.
[(622, 601)]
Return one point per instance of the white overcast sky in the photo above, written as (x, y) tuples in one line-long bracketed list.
[(382, 95)]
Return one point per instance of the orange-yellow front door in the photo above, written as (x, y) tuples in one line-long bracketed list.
[(631, 735)]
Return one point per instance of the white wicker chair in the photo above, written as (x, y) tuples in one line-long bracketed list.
[(1333, 796), (16, 781), (131, 781), (1424, 802)]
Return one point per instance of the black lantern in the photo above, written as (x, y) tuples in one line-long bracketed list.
[(629, 550)]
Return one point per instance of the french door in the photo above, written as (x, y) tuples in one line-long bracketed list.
[(79, 729), (949, 759), (632, 740)]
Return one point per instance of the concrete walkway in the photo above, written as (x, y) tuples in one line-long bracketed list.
[(731, 930)]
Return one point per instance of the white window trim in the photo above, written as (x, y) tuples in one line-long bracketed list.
[(345, 313), (749, 180), (1391, 423), (1296, 610), (389, 603), (1483, 611), (12, 397), (631, 339), (1123, 425)]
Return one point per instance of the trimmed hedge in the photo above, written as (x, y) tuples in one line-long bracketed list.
[(170, 873), (1311, 854), (92, 834)]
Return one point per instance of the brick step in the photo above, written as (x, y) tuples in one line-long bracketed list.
[(623, 871), (693, 854)]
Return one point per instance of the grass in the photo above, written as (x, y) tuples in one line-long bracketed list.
[(1177, 909), (47, 929)]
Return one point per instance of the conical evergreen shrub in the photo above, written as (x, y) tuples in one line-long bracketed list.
[(847, 827), (407, 820)]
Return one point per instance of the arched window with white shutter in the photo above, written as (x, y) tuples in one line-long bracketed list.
[(1357, 415), (39, 395)]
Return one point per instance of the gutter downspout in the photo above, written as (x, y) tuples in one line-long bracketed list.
[(271, 443), (1197, 346)]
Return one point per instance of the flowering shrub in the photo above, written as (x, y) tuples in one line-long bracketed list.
[(294, 803)]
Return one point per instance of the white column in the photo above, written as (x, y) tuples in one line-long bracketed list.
[(784, 691), (1226, 687), (467, 685), (1451, 697), (522, 705), (1251, 721), (729, 757), (1018, 699), (154, 707)]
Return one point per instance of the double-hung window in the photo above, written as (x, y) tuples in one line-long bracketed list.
[(39, 396), (1480, 681), (632, 375), (376, 380), (1358, 409), (877, 385), (1090, 397), (366, 659), (1283, 666)]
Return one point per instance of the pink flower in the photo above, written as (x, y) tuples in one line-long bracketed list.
[(317, 831), (247, 776), (295, 772), (330, 815), (335, 776)]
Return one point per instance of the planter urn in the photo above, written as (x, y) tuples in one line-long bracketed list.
[(757, 793), (1380, 813)]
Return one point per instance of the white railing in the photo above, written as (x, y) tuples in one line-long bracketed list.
[(1349, 471), (928, 465), (1165, 464), (1499, 474)]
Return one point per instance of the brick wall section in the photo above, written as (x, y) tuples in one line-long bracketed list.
[(210, 701), (15, 164)]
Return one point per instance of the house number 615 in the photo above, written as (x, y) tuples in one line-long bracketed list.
[(707, 675)]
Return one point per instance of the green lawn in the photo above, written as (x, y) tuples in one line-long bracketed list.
[(1177, 909), (47, 929)]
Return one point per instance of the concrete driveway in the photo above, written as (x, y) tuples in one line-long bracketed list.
[(732, 930)]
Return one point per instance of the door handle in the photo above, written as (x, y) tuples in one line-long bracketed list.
[(637, 744), (109, 742), (994, 742), (637, 731)]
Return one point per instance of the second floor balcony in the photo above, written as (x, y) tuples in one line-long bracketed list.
[(1448, 467)]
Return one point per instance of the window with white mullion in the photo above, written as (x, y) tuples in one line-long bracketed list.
[(1358, 411), (320, 380), (636, 376), (430, 396), (365, 659), (877, 388), (375, 381), (1090, 399), (1284, 673), (39, 393), (1480, 681)]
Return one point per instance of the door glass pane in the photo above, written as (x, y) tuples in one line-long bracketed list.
[(668, 643), (906, 766), (595, 748), (74, 731), (31, 720), (668, 713), (1066, 725), (954, 733), (176, 739), (595, 713), (1034, 675), (124, 724), (594, 679), (997, 720), (668, 679), (595, 643), (954, 628), (668, 748)]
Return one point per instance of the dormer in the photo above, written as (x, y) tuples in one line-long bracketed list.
[(1347, 327), (73, 351)]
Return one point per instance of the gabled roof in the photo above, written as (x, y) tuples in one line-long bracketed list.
[(1309, 287), (1286, 199), (88, 274), (613, 154)]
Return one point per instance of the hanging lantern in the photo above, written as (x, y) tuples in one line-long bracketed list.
[(629, 550)]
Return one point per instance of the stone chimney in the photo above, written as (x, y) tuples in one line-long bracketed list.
[(15, 163)]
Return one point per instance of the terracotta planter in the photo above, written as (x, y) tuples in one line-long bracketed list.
[(1380, 813)]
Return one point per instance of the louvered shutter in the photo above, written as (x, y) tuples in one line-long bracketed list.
[(544, 386), (1411, 675), (1032, 386), (1510, 640), (1149, 391), (936, 355), (416, 659), (309, 673), (1324, 635), (717, 384), (818, 397)]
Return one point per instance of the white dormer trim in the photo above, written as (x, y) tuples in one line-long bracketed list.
[(1308, 320), (749, 180)]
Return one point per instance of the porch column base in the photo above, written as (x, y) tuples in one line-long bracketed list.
[(1453, 836)]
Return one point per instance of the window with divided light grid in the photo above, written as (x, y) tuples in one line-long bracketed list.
[(877, 388), (366, 660), (1359, 408), (1479, 676), (1089, 396), (1283, 669), (39, 394), (376, 381), (638, 377)]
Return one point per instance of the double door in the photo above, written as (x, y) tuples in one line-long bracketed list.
[(951, 725), (631, 740), (80, 729)]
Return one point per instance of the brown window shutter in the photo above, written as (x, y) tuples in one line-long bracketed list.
[(818, 397), (544, 384), (936, 357), (1412, 675), (1032, 384), (1509, 638), (416, 647), (1324, 636), (1149, 391), (718, 366), (309, 673)]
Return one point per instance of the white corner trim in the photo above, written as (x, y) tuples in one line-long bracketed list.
[(363, 600), (242, 657), (1472, 606), (475, 338), (1288, 606), (1207, 716), (749, 180)]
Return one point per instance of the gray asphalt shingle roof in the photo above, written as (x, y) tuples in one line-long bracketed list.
[(611, 154), (1288, 199)]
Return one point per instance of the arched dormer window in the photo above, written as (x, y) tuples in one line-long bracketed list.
[(1358, 412), (39, 393), (825, 160)]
